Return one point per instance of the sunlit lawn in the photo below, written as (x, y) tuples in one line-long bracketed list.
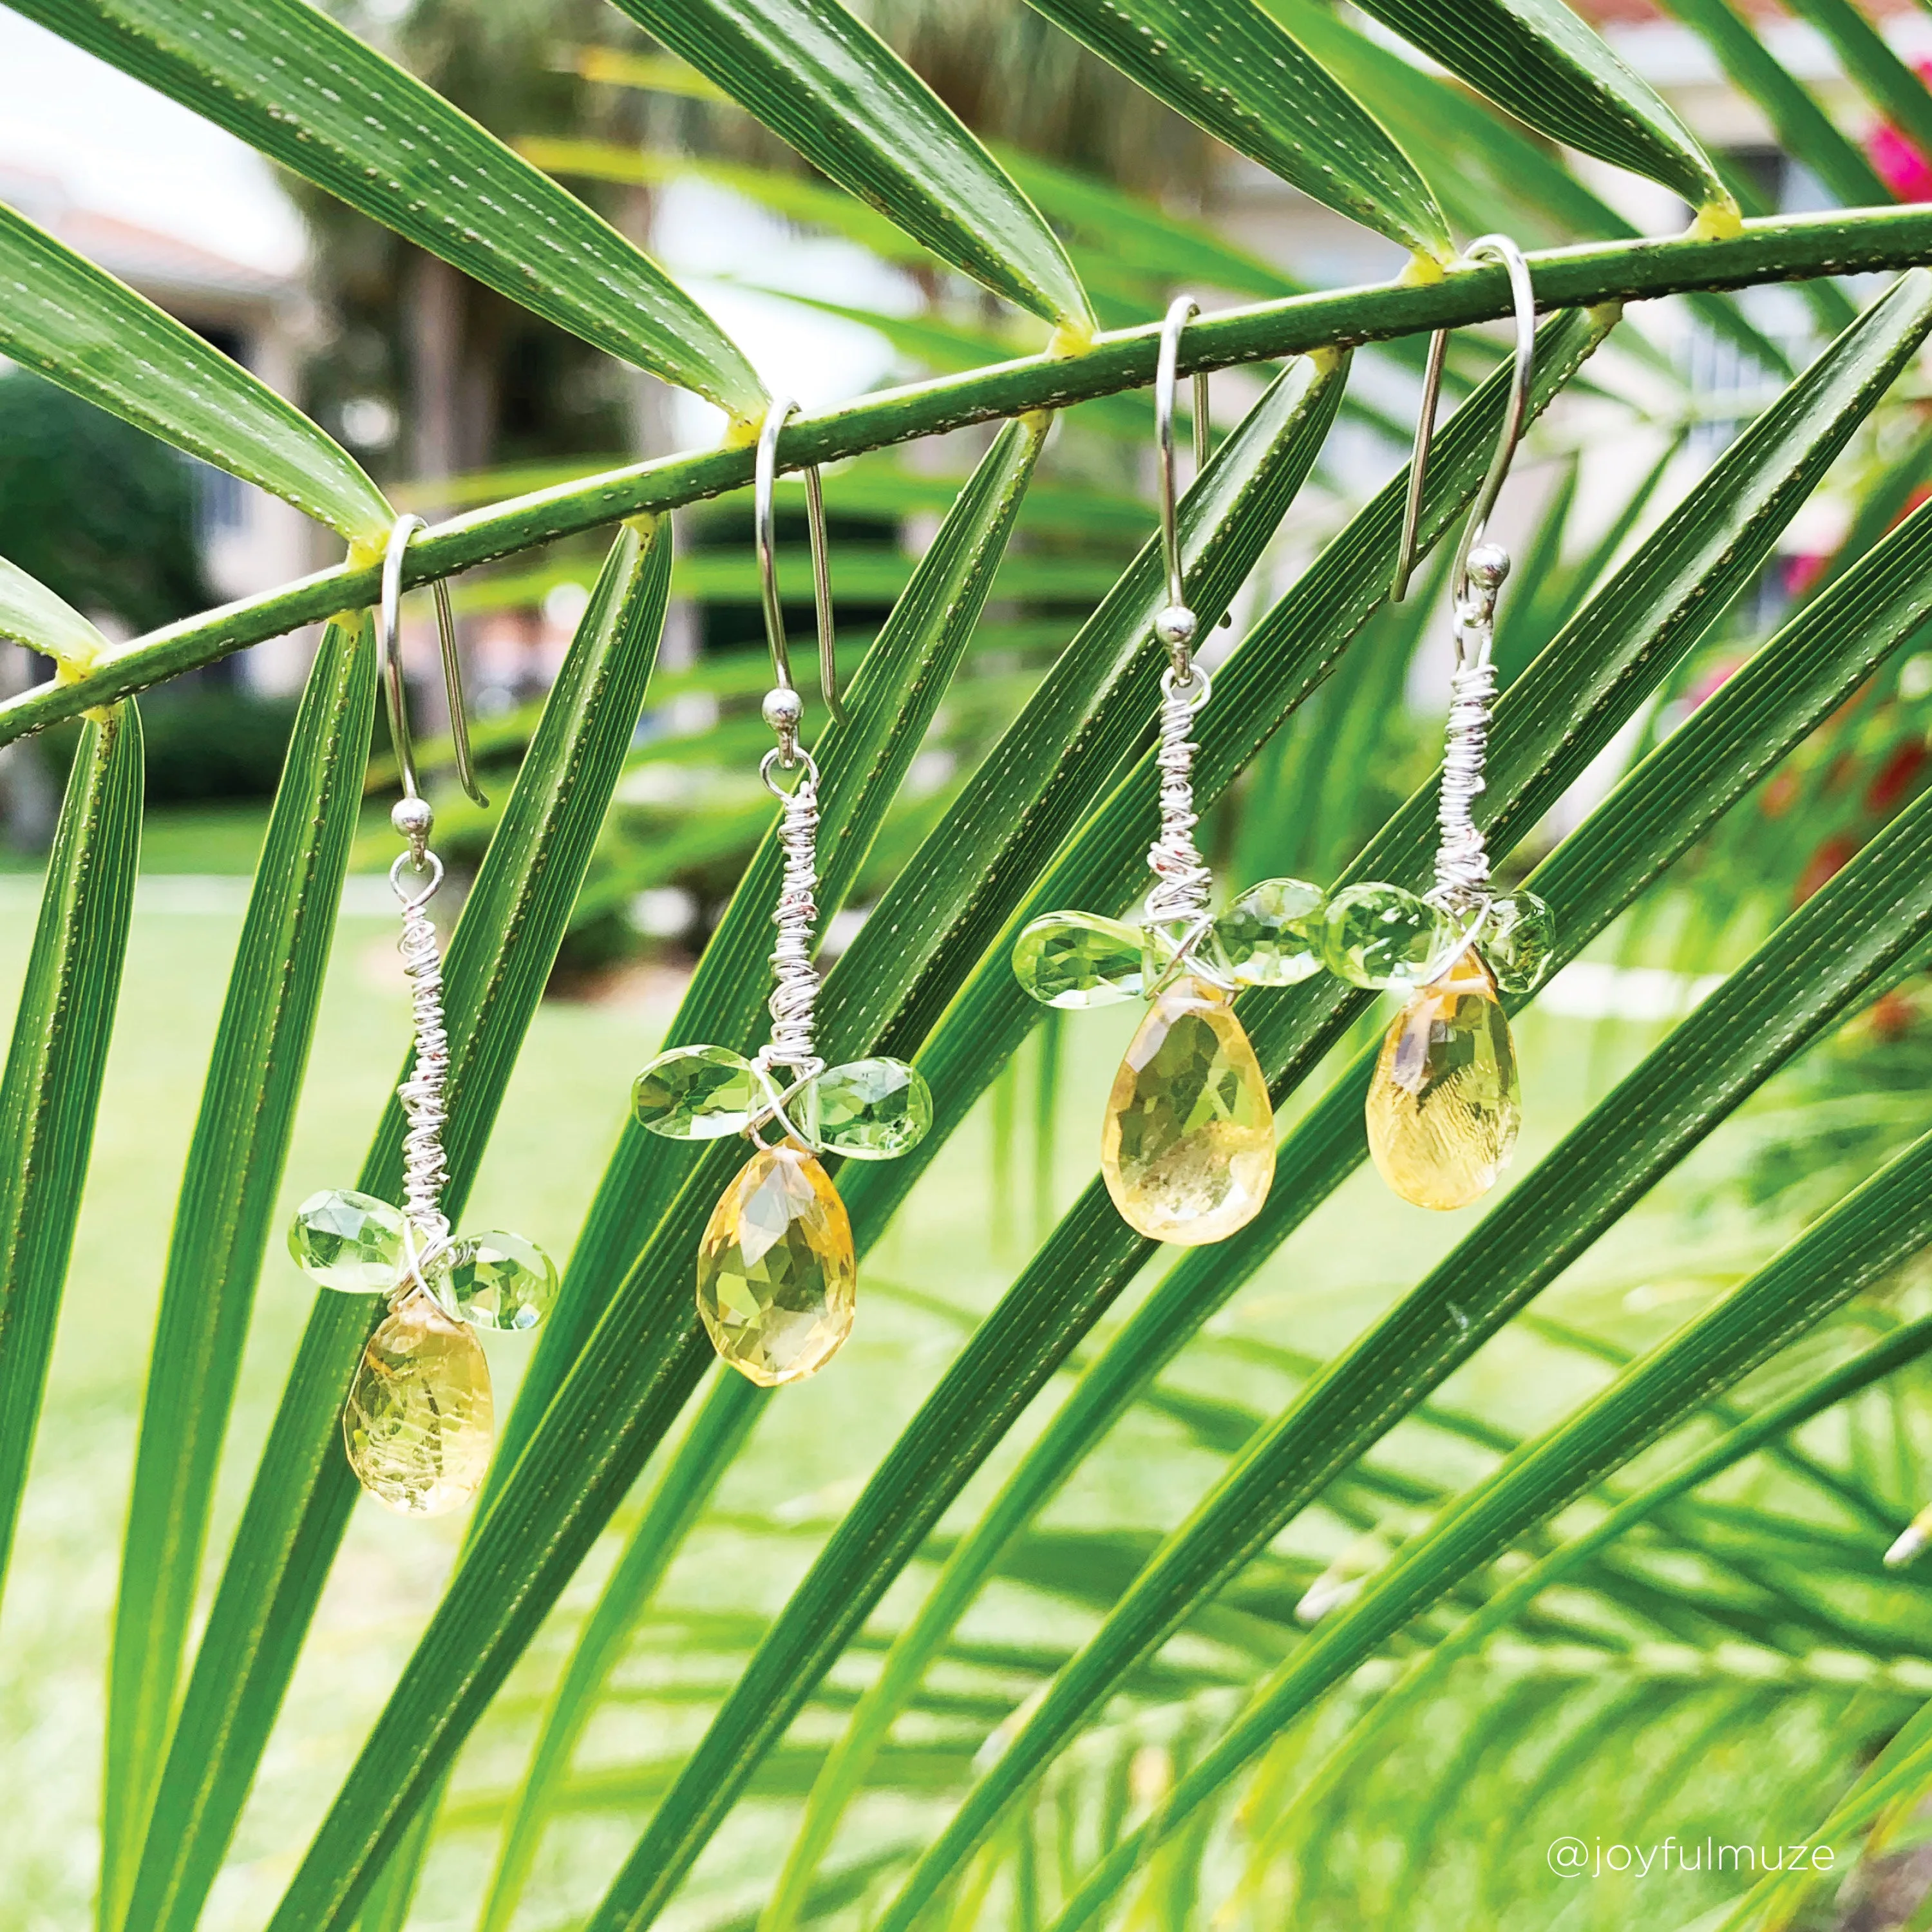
[(960, 1239)]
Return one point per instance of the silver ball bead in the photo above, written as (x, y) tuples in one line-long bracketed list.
[(783, 709), (411, 817), (1175, 625), (1488, 565)]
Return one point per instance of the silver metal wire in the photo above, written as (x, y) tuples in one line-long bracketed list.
[(1179, 312), (796, 994), (1461, 857), (425, 1166), (389, 628), (764, 489), (1182, 879), (1523, 302)]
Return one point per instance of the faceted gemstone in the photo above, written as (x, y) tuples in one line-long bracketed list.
[(347, 1241), (777, 1281), (1517, 940), (1384, 937), (1187, 1146), (1272, 934), (1444, 1105), (1164, 939), (419, 1422), (868, 1109), (1074, 959), (698, 1094), (495, 1281)]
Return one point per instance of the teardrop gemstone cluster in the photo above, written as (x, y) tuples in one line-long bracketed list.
[(419, 1423)]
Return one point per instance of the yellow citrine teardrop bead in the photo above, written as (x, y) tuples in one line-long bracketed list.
[(777, 1281), (1444, 1105), (1187, 1148), (419, 1423)]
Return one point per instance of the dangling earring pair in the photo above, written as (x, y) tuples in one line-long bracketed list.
[(777, 1275), (1187, 1145), (419, 1425)]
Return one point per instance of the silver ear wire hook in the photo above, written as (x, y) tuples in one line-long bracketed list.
[(764, 489), (1522, 299), (1179, 312), (389, 628)]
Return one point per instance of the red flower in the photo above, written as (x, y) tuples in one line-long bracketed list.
[(1900, 165)]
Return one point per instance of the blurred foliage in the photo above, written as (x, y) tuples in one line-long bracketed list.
[(98, 511)]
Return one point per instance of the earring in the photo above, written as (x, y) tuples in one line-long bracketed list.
[(1187, 1145), (419, 1424), (777, 1277), (1444, 1105)]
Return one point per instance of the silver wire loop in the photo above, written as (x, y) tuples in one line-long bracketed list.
[(1187, 960), (430, 863), (774, 1110), (1522, 302), (389, 638), (774, 759), (1461, 854), (1194, 689), (764, 489), (1179, 312)]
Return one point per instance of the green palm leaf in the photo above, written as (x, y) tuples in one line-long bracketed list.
[(1480, 158), (1745, 1437), (1869, 61), (1803, 128), (1668, 593), (1092, 1256), (499, 957), (383, 142), (1600, 275), (1882, 1224), (1538, 60), (51, 1087), (864, 760), (221, 1225), (603, 1411), (823, 80), (1049, 767), (1797, 681), (81, 328), (720, 1428), (32, 615), (1690, 1613), (1225, 65)]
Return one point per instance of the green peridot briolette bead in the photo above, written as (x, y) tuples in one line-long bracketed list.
[(697, 1093), (495, 1281), (867, 1109), (1074, 959), (1272, 934), (1385, 936), (350, 1242), (1518, 939)]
